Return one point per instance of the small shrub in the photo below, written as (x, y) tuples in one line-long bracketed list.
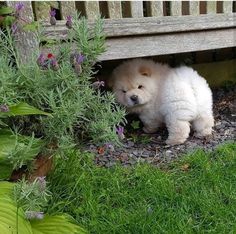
[(60, 83)]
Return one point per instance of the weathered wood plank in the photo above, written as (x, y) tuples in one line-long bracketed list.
[(122, 48), (163, 44), (67, 8), (92, 9), (150, 25), (27, 44), (227, 6), (211, 7), (194, 7), (136, 9), (41, 10), (27, 11), (156, 8), (176, 8), (114, 9)]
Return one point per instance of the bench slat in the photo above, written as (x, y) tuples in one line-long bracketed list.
[(156, 8), (150, 25), (227, 6), (67, 8), (123, 48), (26, 42), (114, 9), (194, 7), (92, 9), (28, 10), (136, 9), (176, 8), (211, 7)]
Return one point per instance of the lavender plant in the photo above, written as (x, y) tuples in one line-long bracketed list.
[(61, 83)]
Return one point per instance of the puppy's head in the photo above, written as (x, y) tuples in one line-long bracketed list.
[(134, 82)]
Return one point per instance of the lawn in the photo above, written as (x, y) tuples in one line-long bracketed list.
[(194, 195)]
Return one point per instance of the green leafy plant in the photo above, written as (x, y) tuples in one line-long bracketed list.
[(17, 150), (13, 218), (61, 83)]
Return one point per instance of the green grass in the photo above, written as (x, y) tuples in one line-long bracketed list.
[(194, 195)]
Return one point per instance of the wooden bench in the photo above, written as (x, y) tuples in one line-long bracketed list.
[(140, 29)]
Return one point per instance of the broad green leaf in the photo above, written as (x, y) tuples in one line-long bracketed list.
[(5, 171), (6, 188), (8, 20), (31, 26), (23, 109), (12, 218), (16, 151), (59, 224), (5, 10), (8, 142)]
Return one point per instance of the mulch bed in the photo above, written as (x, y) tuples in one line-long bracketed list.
[(150, 148)]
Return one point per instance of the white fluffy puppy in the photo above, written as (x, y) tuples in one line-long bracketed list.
[(159, 94)]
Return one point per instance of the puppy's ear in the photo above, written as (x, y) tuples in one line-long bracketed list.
[(145, 71)]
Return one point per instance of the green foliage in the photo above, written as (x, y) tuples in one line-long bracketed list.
[(59, 224), (135, 124), (12, 216), (16, 150), (31, 196), (79, 110), (195, 195), (22, 109), (12, 219)]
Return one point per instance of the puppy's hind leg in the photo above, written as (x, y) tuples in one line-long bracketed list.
[(203, 125), (178, 131)]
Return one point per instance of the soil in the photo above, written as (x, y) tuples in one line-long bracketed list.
[(151, 148)]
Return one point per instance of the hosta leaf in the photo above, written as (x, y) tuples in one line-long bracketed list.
[(8, 141), (5, 10), (8, 20), (31, 26), (23, 109), (12, 218), (58, 224), (17, 150), (6, 188), (5, 171)]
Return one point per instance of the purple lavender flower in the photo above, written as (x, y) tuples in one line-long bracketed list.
[(14, 28), (120, 132), (69, 21), (52, 13), (41, 59), (34, 215), (19, 6), (41, 182), (4, 108), (79, 58), (53, 20), (54, 64), (98, 84)]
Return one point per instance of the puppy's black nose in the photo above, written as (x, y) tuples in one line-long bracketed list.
[(134, 98)]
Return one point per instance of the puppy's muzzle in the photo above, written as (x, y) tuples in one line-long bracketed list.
[(134, 99)]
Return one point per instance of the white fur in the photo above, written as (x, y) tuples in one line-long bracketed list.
[(177, 97)]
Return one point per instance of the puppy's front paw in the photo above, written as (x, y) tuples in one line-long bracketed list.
[(175, 141), (149, 130)]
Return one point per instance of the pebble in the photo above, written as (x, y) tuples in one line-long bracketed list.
[(157, 153)]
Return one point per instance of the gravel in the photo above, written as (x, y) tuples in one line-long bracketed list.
[(150, 148)]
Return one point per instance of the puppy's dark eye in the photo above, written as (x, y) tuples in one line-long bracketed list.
[(123, 91), (140, 87)]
